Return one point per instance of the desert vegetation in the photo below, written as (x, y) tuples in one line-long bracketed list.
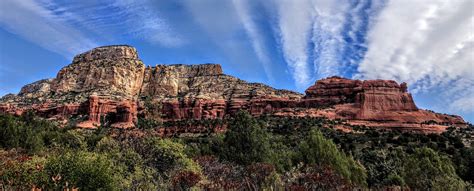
[(264, 153)]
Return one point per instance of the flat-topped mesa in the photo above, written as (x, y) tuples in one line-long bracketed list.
[(112, 82), (115, 52), (205, 81), (110, 70), (334, 90), (374, 95)]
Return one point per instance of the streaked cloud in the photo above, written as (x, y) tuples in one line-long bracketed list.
[(295, 25), (69, 28), (32, 21), (145, 22), (427, 44), (255, 35), (328, 40)]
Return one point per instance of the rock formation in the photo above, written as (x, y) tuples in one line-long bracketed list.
[(111, 84), (112, 70), (382, 103)]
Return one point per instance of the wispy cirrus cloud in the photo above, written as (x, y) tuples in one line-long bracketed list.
[(32, 21), (145, 22), (69, 28), (428, 44), (230, 27), (328, 34), (255, 35), (295, 20), (327, 38)]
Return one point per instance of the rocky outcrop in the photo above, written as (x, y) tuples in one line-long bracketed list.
[(385, 95), (204, 81), (112, 70), (120, 114), (111, 85), (38, 89), (203, 91), (371, 95), (334, 90)]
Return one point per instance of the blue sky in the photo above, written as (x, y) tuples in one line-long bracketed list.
[(287, 44)]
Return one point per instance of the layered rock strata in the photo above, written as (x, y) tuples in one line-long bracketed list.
[(112, 85), (113, 70)]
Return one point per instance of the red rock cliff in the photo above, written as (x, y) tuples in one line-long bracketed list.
[(112, 82)]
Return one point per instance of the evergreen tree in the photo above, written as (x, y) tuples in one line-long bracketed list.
[(427, 170), (315, 149), (246, 141)]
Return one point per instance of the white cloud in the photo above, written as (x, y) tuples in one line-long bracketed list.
[(30, 20), (330, 17), (427, 44), (325, 25), (255, 35), (71, 28), (295, 25)]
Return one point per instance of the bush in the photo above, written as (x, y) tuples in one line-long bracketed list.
[(144, 123), (315, 177), (315, 149), (83, 170), (166, 155), (383, 167), (22, 173), (25, 132), (246, 141), (427, 170)]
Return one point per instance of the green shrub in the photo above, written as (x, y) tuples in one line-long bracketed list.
[(83, 170), (166, 155), (427, 170), (246, 142), (315, 149)]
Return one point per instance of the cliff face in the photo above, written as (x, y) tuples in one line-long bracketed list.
[(374, 103), (372, 95), (113, 70), (112, 82)]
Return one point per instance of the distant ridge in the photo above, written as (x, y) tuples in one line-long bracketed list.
[(113, 80)]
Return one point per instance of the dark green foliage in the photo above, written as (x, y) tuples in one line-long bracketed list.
[(315, 149), (83, 170), (25, 132), (254, 154), (281, 155), (165, 155), (426, 169), (246, 141), (384, 167)]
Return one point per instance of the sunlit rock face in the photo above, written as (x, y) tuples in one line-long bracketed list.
[(382, 103), (371, 95), (111, 70), (112, 84), (37, 89)]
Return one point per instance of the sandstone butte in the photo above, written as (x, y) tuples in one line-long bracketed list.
[(112, 82)]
